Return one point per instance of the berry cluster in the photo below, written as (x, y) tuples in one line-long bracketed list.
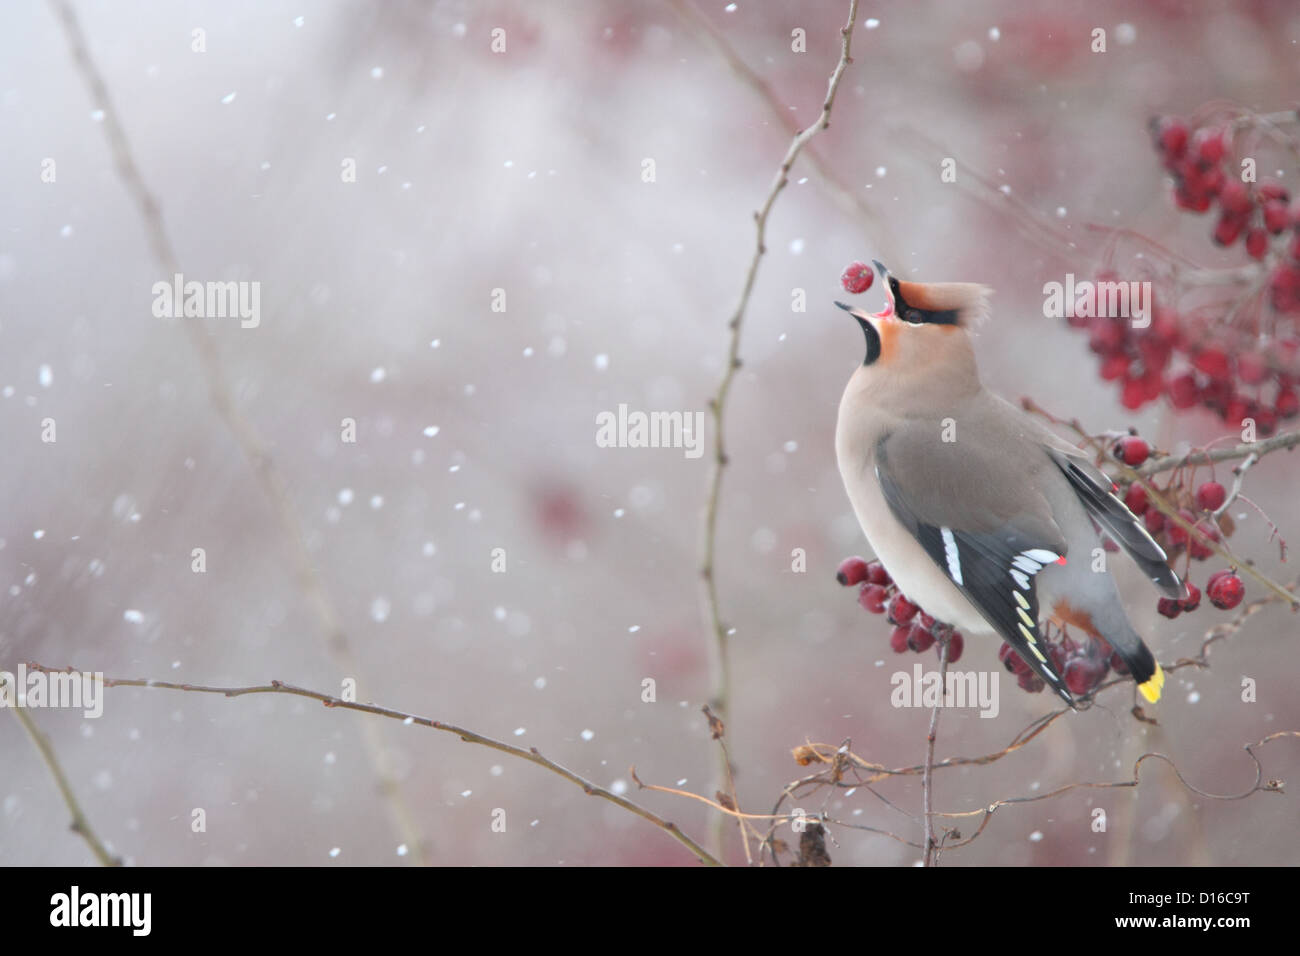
[(1240, 356), (1082, 666), (1196, 506), (914, 630), (1224, 589), (1236, 371), (1258, 211)]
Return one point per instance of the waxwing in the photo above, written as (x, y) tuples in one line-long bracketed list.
[(981, 515)]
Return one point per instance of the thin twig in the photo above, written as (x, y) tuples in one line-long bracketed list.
[(721, 694), (1238, 477), (926, 797), (1259, 449), (250, 443), (80, 825), (532, 754), (851, 200)]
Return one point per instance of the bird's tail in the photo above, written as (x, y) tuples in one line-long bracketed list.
[(1141, 664)]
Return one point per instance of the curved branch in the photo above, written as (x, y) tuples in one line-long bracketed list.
[(532, 754)]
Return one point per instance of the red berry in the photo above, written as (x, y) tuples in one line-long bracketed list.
[(1106, 334), (1272, 190), (1193, 599), (1083, 673), (1216, 394), (1213, 362), (898, 640), (926, 621), (1154, 353), (1276, 216), (901, 610), (1287, 403), (1177, 533), (1252, 368), (1209, 145), (1183, 392), (1198, 546), (1216, 576), (1226, 592), (1134, 394), (1114, 366), (1012, 660), (1172, 136), (857, 278), (872, 597), (1257, 243), (1192, 201), (1135, 499), (919, 639), (1153, 383), (1228, 229), (1237, 410), (1155, 521), (877, 574), (1169, 607), (1210, 496), (1132, 450), (852, 571), (956, 644), (1031, 682), (1235, 198)]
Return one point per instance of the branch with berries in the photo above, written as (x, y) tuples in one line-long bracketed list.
[(1170, 512)]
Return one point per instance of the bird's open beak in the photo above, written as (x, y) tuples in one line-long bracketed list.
[(888, 311)]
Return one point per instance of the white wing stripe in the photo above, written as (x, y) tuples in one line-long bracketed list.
[(950, 552)]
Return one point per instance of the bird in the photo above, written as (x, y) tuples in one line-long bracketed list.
[(981, 514)]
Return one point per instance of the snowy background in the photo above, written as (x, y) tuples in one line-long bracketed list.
[(522, 171)]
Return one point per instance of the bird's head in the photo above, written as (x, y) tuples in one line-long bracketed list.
[(922, 323)]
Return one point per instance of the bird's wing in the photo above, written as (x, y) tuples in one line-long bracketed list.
[(1097, 494), (978, 516)]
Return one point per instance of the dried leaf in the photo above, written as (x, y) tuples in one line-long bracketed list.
[(716, 726)]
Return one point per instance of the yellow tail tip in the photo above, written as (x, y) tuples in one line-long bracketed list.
[(1151, 689)]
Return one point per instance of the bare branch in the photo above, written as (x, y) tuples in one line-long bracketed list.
[(250, 442), (852, 201), (80, 825), (532, 754), (926, 795), (1257, 449), (721, 693)]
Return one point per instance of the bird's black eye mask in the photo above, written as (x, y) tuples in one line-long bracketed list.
[(908, 313)]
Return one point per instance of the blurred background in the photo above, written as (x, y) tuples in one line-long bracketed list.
[(523, 171)]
